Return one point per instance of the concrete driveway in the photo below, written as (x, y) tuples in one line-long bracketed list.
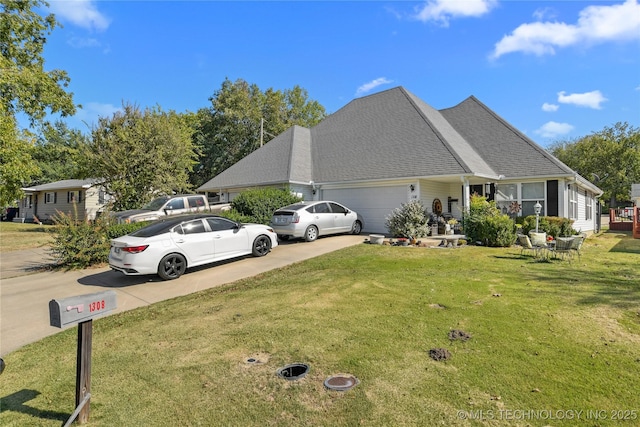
[(25, 293)]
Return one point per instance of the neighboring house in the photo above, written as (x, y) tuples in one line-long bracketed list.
[(635, 194), (84, 198), (390, 148)]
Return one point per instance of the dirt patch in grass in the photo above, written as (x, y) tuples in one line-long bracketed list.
[(458, 335), (439, 354)]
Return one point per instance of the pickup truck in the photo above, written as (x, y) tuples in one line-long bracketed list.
[(166, 205)]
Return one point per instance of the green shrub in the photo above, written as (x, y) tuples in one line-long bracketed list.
[(236, 216), (552, 225), (409, 220), (485, 223), (117, 230), (258, 205), (81, 244)]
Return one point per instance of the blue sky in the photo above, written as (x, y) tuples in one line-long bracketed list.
[(556, 70)]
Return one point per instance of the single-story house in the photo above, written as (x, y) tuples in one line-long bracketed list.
[(390, 148), (81, 198)]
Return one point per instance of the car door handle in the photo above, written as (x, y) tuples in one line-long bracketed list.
[(180, 241)]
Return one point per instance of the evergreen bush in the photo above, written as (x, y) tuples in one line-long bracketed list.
[(409, 220)]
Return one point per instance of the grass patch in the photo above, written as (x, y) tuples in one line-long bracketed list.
[(15, 236), (544, 336)]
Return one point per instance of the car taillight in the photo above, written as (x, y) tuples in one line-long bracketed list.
[(134, 249), (295, 219)]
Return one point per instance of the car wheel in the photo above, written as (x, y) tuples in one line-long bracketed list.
[(311, 233), (172, 266), (261, 246), (357, 227)]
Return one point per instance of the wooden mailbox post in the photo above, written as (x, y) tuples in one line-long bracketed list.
[(82, 310)]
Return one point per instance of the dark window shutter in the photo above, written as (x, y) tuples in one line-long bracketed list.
[(552, 198)]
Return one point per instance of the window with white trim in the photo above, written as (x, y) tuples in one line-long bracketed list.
[(74, 196), (588, 205), (532, 193), (505, 195), (49, 197), (573, 202)]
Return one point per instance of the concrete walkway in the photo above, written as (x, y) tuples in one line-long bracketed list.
[(25, 293)]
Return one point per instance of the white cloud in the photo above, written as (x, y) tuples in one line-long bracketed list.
[(588, 99), (544, 13), (596, 24), (443, 10), (549, 107), (554, 129), (83, 13), (368, 87), (91, 111), (81, 42)]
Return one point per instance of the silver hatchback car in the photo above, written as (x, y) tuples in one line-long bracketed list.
[(313, 219)]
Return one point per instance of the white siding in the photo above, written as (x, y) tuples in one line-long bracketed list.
[(431, 190)]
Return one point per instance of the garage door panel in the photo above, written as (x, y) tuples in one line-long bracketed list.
[(373, 204)]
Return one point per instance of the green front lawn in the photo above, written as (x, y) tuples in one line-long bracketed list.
[(549, 340), (15, 236)]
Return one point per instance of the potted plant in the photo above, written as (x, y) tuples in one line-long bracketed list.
[(451, 224)]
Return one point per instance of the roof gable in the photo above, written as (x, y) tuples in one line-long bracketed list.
[(502, 146), (284, 159), (384, 135)]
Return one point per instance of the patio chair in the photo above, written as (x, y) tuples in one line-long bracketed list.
[(562, 248), (526, 245), (539, 240), (576, 245)]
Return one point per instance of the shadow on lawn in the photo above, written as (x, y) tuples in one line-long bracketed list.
[(16, 402)]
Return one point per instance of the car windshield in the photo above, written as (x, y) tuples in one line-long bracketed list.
[(155, 204)]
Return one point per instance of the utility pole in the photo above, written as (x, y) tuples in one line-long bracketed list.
[(261, 131)]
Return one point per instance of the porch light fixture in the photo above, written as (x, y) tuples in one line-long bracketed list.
[(537, 208), (412, 188)]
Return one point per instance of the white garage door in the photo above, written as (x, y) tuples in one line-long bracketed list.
[(373, 204)]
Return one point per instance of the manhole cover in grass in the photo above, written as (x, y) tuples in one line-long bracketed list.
[(341, 382), (292, 372)]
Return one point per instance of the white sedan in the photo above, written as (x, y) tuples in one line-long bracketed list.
[(169, 246)]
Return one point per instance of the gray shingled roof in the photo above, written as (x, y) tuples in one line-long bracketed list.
[(389, 135), (503, 147), (284, 159), (64, 185)]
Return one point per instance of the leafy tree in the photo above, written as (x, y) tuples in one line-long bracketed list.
[(140, 154), (25, 88), (58, 153), (610, 158), (241, 118)]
